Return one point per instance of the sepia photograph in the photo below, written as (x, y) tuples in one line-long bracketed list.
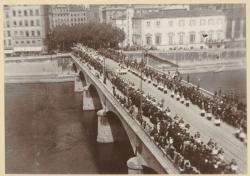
[(125, 88)]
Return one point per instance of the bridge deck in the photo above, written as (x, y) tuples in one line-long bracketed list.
[(167, 165), (223, 135)]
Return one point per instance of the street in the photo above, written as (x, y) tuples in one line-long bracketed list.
[(223, 135)]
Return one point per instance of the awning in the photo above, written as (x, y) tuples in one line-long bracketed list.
[(8, 51), (23, 49)]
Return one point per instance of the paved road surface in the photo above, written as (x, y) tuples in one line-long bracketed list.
[(223, 135)]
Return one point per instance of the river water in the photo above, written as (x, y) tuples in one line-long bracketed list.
[(233, 81), (48, 132)]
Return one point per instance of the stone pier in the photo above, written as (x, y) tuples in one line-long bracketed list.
[(78, 84), (88, 102), (104, 130), (134, 166)]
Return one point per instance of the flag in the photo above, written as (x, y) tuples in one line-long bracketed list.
[(204, 35)]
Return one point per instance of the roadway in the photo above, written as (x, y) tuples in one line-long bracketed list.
[(223, 135)]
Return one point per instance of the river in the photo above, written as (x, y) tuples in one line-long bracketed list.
[(228, 81), (47, 131)]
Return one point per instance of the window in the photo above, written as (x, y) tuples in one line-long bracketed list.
[(192, 23), (219, 35), (32, 23), (157, 23), (33, 41), (14, 23), (19, 13), (210, 35), (21, 33), (158, 39), (37, 12), (181, 38), (27, 33), (148, 23), (38, 33), (8, 33), (219, 21), (26, 23), (181, 23), (170, 38), (25, 13), (20, 23), (31, 12), (202, 22), (28, 42), (9, 41), (202, 39), (33, 33), (22, 42), (7, 23), (7, 15), (170, 23), (38, 22), (210, 22), (14, 13), (17, 42), (148, 40), (192, 37)]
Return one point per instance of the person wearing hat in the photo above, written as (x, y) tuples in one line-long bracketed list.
[(187, 167), (217, 120), (178, 97), (233, 166), (187, 102)]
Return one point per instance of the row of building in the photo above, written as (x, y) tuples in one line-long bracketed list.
[(165, 27)]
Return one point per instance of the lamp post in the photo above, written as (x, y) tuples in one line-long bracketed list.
[(144, 53), (104, 70)]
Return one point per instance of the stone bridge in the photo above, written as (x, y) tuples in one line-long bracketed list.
[(115, 123)]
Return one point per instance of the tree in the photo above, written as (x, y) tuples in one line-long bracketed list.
[(94, 35)]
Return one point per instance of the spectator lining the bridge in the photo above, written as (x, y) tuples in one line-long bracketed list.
[(189, 153)]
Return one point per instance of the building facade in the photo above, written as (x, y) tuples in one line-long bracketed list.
[(110, 12), (94, 13), (25, 28), (175, 29), (235, 21), (69, 15)]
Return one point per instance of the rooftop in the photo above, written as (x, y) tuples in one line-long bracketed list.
[(76, 8), (178, 13)]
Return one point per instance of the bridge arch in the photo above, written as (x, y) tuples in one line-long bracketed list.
[(74, 67), (118, 130), (82, 78), (97, 103), (148, 170)]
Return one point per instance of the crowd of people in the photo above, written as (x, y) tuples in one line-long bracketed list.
[(189, 153), (223, 107)]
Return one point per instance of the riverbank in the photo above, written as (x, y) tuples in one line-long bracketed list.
[(38, 78), (204, 68)]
